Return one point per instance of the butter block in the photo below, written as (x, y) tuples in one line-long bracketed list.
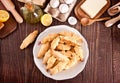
[(92, 7)]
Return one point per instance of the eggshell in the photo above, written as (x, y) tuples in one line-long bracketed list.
[(68, 1), (54, 3), (72, 20), (63, 8)]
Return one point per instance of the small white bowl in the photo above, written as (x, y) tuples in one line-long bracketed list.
[(66, 74)]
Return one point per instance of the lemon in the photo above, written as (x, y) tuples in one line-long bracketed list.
[(46, 19), (4, 15)]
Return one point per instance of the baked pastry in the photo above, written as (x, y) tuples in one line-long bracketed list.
[(29, 39)]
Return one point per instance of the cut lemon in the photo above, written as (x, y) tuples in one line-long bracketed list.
[(1, 25), (4, 15), (46, 19)]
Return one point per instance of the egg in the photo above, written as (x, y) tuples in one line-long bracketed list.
[(63, 8), (68, 1), (118, 25), (54, 3), (72, 20)]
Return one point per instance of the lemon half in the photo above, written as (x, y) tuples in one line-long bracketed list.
[(4, 15), (46, 19)]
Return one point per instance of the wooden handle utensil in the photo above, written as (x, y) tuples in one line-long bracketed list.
[(115, 9), (11, 7), (110, 22), (87, 21)]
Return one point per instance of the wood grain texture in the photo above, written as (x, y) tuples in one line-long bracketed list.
[(116, 55), (103, 65), (116, 50)]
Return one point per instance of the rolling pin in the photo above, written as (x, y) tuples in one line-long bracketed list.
[(112, 21), (11, 7)]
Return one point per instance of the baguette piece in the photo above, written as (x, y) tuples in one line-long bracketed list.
[(29, 39)]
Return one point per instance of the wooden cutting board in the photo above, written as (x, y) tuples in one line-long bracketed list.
[(10, 25)]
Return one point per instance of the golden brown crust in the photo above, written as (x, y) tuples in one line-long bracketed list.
[(44, 48), (47, 56), (49, 38), (70, 40), (63, 47), (63, 52), (59, 56), (29, 39), (55, 43), (50, 62), (67, 53), (79, 52), (73, 60), (66, 33), (58, 68)]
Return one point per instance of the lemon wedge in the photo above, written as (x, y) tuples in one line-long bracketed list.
[(4, 15), (46, 19)]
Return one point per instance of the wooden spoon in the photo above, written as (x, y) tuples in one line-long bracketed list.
[(114, 10), (110, 22), (87, 21)]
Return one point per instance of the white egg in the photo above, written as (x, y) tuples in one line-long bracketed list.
[(68, 1), (118, 25), (63, 8), (54, 3), (72, 20)]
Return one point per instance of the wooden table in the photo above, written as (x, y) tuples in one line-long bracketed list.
[(103, 65)]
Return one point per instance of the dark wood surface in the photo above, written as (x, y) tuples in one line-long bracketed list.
[(103, 65)]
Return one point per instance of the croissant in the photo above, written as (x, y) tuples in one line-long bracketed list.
[(29, 39)]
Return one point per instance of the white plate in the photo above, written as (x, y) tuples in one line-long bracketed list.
[(67, 74)]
